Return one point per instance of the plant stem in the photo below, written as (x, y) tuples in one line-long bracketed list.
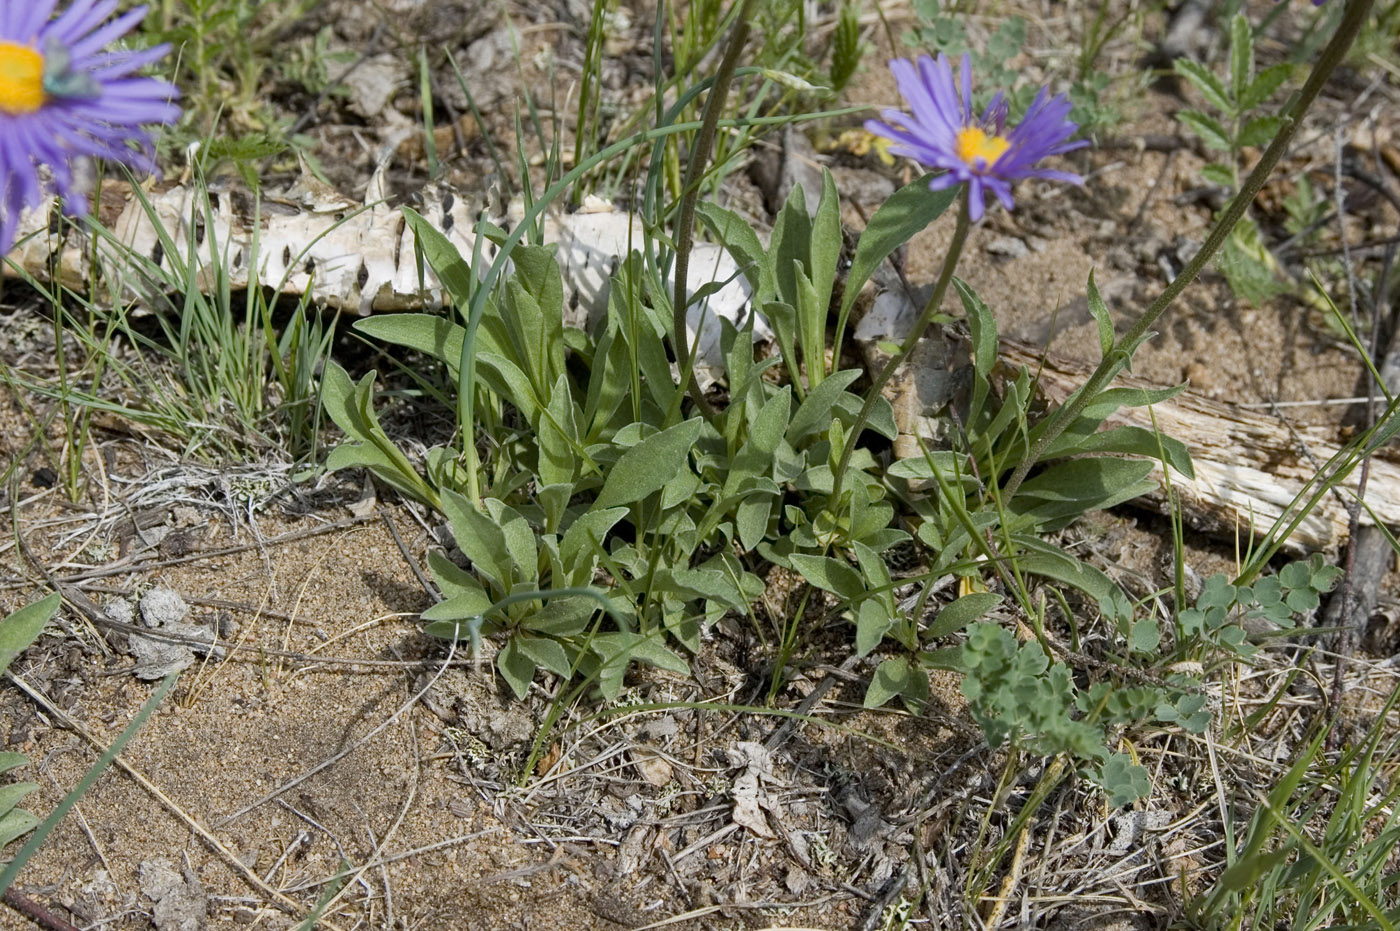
[(690, 193), (935, 301), (1353, 18)]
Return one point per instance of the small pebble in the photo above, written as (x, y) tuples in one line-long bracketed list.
[(1008, 247), (162, 606)]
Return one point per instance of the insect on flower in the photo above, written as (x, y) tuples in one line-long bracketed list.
[(64, 96), (942, 133), (60, 80)]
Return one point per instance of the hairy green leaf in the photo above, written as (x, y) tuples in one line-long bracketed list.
[(649, 465)]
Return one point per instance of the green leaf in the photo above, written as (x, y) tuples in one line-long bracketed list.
[(811, 327), (1145, 636), (351, 407), (960, 613), (815, 412), (680, 489), (452, 270), (545, 652), (519, 539), (832, 575), (562, 617), (845, 46), (1045, 559), (1191, 712), (826, 246), (1261, 130), (11, 760), (1295, 575), (783, 318), (582, 542), (535, 312), (10, 795), (1204, 81), (620, 648), (436, 337), (1085, 485), (458, 616), (23, 627), (983, 328), (1211, 132), (735, 234), (1100, 311), (909, 210), (875, 573), (452, 579), (537, 270), (16, 824), (1136, 441), (608, 382), (1107, 402), (892, 677), (1218, 174), (554, 501), (751, 519), (707, 583), (479, 537), (755, 457), (1122, 780), (1247, 264), (790, 246), (1263, 87), (558, 432), (516, 667), (873, 621), (506, 379), (1241, 56), (649, 465), (1246, 872)]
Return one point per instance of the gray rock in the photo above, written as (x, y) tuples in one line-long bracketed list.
[(120, 610), (163, 606), (1008, 247), (180, 901)]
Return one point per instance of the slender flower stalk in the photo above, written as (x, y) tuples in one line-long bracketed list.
[(935, 301), (1353, 19), (685, 223), (65, 97)]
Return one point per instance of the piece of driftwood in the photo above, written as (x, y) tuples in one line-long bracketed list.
[(1250, 465)]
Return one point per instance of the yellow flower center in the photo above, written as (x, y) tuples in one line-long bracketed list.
[(975, 144), (21, 78)]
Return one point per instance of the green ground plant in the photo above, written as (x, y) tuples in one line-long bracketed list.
[(594, 466), (224, 46), (1318, 849), (1232, 124), (215, 368), (600, 446), (17, 632), (942, 27)]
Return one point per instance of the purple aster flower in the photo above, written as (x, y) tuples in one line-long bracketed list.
[(64, 97), (942, 134)]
